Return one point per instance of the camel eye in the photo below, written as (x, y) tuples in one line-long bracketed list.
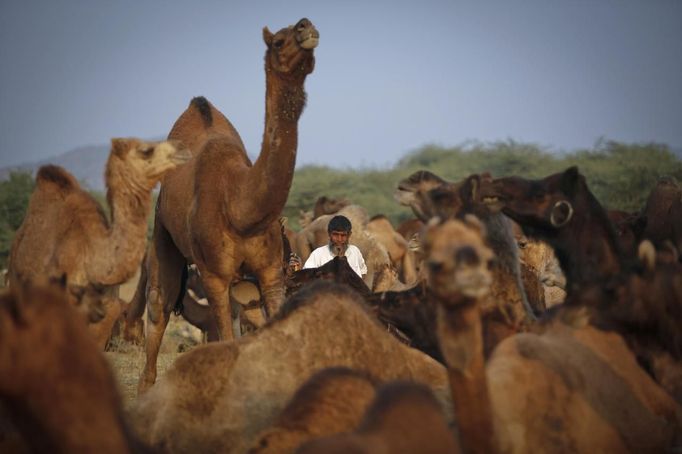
[(523, 244), (278, 43), (147, 152)]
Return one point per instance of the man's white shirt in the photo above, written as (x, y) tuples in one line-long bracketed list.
[(322, 255)]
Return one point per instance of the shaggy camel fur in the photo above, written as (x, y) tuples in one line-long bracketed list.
[(397, 247), (540, 269), (220, 211), (55, 386), (223, 394), (332, 401), (315, 235), (569, 388), (65, 231), (404, 418)]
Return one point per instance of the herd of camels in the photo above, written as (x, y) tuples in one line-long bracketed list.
[(511, 315)]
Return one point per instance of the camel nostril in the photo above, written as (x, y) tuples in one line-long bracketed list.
[(466, 256), (435, 267)]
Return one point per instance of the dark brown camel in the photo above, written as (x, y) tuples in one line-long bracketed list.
[(221, 211), (561, 210), (663, 211)]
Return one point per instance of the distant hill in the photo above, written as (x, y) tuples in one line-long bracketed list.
[(85, 163)]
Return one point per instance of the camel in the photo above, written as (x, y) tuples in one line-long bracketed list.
[(409, 228), (56, 389), (65, 231), (569, 387), (331, 401), (663, 214), (397, 247), (223, 394), (561, 210), (430, 196), (323, 205), (540, 271), (220, 211), (315, 235)]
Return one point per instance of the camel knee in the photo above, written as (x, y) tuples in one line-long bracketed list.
[(154, 305)]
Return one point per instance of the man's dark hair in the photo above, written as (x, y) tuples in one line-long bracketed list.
[(339, 224)]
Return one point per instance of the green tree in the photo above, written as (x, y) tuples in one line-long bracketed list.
[(14, 196)]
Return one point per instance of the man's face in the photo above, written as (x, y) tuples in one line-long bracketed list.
[(338, 241)]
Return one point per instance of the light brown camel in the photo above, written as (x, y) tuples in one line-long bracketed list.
[(401, 256), (315, 235), (57, 391), (223, 394), (569, 388), (65, 231), (539, 263), (331, 401), (220, 211)]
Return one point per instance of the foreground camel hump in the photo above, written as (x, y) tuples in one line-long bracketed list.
[(222, 211), (66, 232), (224, 394), (405, 418), (56, 388), (332, 401), (572, 388)]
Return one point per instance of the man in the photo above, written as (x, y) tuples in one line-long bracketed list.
[(339, 230)]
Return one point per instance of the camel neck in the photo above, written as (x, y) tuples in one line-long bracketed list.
[(272, 173), (587, 250), (461, 342), (118, 253)]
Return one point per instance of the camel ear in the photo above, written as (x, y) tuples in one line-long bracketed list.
[(267, 36), (570, 180), (119, 146)]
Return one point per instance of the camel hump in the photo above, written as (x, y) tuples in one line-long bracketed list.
[(204, 107), (56, 175)]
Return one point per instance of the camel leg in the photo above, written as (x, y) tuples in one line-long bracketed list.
[(217, 291), (272, 287), (164, 274)]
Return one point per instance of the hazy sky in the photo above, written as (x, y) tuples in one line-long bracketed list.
[(390, 76)]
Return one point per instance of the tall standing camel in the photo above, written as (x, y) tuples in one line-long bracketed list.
[(221, 211), (65, 231)]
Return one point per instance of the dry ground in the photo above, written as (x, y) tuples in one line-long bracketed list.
[(128, 360)]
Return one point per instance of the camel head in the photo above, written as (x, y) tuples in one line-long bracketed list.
[(426, 193), (290, 50), (144, 163), (457, 258), (546, 204)]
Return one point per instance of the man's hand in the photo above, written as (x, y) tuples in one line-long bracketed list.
[(295, 263)]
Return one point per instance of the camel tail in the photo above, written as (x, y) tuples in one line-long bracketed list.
[(56, 175), (204, 107)]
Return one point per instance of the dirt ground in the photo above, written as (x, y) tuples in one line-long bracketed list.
[(128, 360)]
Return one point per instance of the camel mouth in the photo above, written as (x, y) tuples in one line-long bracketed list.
[(181, 156), (310, 41)]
